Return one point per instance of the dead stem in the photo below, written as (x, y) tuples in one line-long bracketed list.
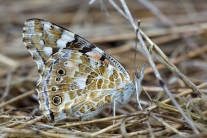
[(177, 27), (20, 97), (158, 76)]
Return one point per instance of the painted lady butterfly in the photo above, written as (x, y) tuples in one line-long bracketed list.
[(77, 79)]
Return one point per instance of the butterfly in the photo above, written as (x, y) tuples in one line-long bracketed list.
[(77, 79)]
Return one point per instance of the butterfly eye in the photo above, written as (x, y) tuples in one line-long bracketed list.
[(54, 89), (56, 100), (61, 72)]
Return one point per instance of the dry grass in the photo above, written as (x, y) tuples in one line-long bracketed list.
[(175, 35)]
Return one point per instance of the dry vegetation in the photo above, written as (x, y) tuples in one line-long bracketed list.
[(177, 30)]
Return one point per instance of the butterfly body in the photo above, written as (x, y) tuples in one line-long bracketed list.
[(77, 79)]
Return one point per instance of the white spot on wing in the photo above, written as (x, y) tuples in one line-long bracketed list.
[(40, 34), (99, 50), (47, 26), (61, 43), (68, 64), (47, 51), (31, 24), (66, 37), (92, 54), (80, 82), (110, 68), (41, 42)]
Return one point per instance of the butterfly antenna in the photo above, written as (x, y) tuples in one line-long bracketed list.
[(135, 53)]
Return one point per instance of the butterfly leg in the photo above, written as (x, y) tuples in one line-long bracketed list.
[(114, 111)]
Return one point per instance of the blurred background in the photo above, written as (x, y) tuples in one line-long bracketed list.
[(178, 27)]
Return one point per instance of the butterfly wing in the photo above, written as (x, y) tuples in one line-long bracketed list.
[(77, 79), (44, 39)]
